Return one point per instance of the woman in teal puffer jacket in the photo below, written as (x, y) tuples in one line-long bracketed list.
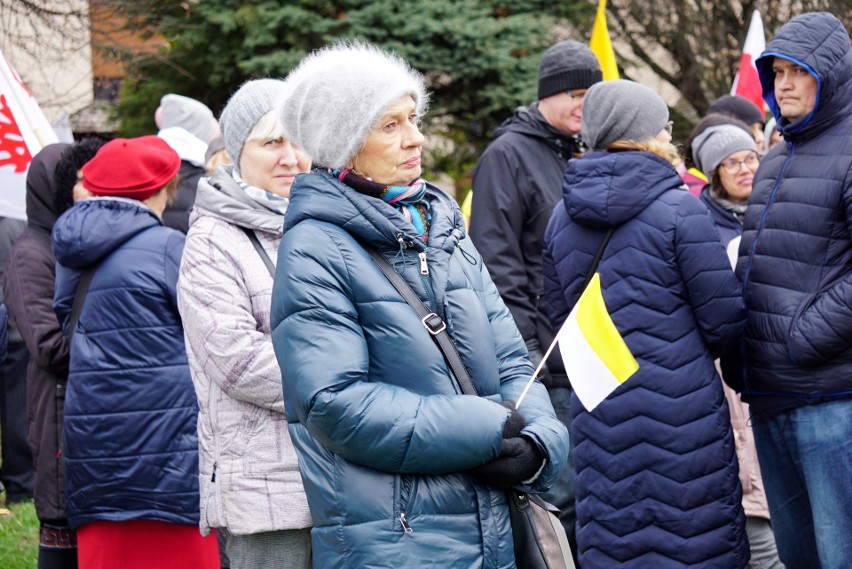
[(400, 468)]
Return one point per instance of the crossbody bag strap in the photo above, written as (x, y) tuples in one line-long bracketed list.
[(595, 262), (433, 323), (260, 250), (79, 297)]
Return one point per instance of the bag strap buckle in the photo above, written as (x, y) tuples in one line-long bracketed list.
[(433, 323)]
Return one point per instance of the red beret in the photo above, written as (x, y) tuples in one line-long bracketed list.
[(131, 168)]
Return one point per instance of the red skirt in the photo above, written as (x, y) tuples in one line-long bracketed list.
[(145, 544)]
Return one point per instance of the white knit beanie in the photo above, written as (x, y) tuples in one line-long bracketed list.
[(189, 114), (244, 109), (336, 95)]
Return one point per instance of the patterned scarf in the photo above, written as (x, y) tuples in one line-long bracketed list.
[(266, 199), (409, 200)]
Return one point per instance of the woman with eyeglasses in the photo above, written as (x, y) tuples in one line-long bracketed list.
[(729, 156)]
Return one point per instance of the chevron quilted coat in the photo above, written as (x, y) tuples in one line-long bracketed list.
[(656, 474)]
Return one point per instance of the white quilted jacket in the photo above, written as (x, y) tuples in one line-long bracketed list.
[(249, 475)]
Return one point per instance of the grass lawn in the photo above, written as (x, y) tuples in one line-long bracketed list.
[(18, 536)]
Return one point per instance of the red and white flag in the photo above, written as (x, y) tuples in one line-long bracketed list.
[(24, 131), (746, 82)]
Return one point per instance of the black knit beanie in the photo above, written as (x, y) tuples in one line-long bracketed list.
[(738, 107), (566, 66)]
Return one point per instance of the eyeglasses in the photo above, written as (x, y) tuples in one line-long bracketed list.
[(733, 166), (575, 96), (669, 127)]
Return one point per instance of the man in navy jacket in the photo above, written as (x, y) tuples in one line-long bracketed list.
[(796, 268)]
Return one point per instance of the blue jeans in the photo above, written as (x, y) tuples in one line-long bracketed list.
[(805, 457), (561, 494)]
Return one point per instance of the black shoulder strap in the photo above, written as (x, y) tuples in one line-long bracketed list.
[(595, 262), (260, 251), (79, 297), (436, 327)]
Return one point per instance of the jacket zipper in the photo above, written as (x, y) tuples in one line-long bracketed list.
[(404, 522)]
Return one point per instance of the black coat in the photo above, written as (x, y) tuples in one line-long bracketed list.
[(516, 183), (176, 214), (29, 286)]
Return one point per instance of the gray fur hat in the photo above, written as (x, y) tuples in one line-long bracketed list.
[(566, 66), (336, 95), (244, 109), (621, 110), (716, 143), (189, 114)]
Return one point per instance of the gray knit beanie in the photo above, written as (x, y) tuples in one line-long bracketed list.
[(336, 95), (566, 66), (621, 110), (193, 116), (716, 143), (244, 109)]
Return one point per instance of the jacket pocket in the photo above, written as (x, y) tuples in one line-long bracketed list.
[(796, 348), (264, 444)]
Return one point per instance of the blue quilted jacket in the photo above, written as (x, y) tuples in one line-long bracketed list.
[(131, 448), (796, 252), (383, 435), (656, 475)]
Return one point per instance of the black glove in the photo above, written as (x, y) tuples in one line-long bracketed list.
[(515, 423), (519, 460)]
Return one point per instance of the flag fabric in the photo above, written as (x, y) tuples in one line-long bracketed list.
[(601, 44), (746, 82), (24, 131), (596, 358)]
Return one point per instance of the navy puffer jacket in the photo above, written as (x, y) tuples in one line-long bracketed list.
[(383, 435), (131, 447), (656, 475), (795, 258)]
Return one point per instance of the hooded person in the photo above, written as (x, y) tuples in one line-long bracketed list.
[(795, 261), (28, 284), (188, 126), (250, 482), (654, 461), (131, 444), (400, 467)]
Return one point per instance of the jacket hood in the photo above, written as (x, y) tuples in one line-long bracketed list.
[(605, 189), (321, 196), (41, 187), (818, 42), (221, 196), (94, 228), (530, 122)]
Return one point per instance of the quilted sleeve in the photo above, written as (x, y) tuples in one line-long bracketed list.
[(325, 361), (824, 329), (549, 434), (713, 290), (224, 338)]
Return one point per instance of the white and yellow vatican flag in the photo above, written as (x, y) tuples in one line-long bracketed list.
[(596, 358)]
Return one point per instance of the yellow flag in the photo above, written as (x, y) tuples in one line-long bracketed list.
[(601, 44), (595, 356)]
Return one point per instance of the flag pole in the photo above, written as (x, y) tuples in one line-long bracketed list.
[(537, 371)]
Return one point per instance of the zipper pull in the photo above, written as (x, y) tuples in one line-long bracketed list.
[(213, 477), (404, 522), (424, 268)]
